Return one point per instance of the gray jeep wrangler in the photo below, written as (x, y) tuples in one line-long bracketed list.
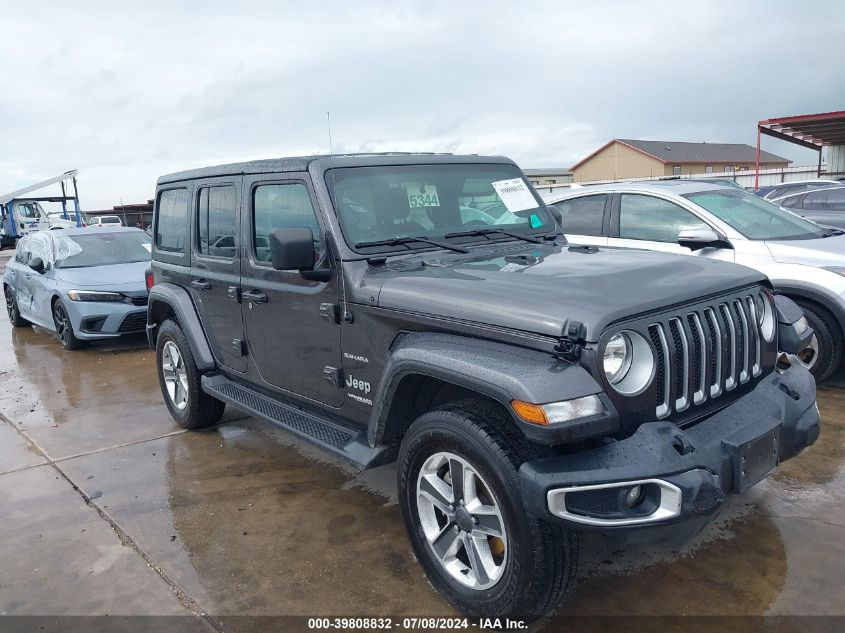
[(427, 308)]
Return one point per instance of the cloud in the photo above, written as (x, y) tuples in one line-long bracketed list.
[(127, 93)]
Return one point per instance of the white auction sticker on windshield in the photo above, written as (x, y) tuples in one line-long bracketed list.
[(515, 194), (422, 196)]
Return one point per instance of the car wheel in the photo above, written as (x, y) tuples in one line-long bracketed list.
[(12, 308), (179, 379), (824, 354), (459, 495), (64, 328)]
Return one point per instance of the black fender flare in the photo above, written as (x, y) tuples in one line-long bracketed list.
[(497, 370), (180, 302)]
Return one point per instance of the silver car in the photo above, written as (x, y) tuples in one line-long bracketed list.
[(804, 261), (83, 285)]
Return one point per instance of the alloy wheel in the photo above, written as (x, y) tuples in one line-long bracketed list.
[(62, 322), (461, 520), (11, 305), (175, 377)]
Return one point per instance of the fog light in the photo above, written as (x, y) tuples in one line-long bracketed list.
[(635, 496)]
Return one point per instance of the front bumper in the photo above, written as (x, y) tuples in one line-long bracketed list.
[(685, 474), (93, 320)]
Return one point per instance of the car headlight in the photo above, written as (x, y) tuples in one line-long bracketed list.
[(617, 357), (94, 295), (628, 362), (766, 315)]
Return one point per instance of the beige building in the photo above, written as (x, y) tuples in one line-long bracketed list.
[(549, 177), (629, 158)]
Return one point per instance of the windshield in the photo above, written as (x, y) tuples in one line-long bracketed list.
[(101, 249), (375, 204), (110, 219), (753, 217)]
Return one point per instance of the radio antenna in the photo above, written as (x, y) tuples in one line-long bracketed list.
[(329, 125)]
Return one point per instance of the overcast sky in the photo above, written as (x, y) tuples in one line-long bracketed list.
[(127, 93)]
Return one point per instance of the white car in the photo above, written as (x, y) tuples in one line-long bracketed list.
[(804, 261), (110, 221)]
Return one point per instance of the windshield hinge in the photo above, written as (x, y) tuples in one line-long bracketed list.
[(570, 344)]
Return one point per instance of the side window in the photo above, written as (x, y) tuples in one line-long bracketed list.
[(22, 250), (217, 221), (648, 218), (791, 202), (583, 216), (40, 246), (282, 206), (833, 199), (172, 220)]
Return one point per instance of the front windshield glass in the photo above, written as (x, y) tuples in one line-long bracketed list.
[(755, 218), (101, 249), (375, 204)]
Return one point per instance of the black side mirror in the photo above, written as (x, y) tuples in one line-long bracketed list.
[(292, 249), (37, 264), (556, 213)]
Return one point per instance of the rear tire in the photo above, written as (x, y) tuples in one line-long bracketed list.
[(179, 379), (828, 356), (528, 565), (12, 308)]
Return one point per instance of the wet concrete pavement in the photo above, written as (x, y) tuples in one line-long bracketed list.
[(107, 507)]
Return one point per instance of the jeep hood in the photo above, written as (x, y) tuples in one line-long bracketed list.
[(823, 251), (539, 288)]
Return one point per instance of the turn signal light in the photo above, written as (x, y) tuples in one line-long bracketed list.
[(530, 412)]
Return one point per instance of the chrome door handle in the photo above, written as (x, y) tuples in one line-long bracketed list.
[(256, 296), (201, 284)]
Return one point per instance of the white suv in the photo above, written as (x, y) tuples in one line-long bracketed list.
[(804, 261), (110, 221)]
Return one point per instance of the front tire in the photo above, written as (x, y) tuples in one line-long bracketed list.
[(12, 308), (475, 541), (64, 328), (179, 379), (824, 355)]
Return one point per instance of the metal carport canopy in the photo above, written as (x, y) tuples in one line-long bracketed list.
[(813, 131)]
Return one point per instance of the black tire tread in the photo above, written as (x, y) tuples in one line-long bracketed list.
[(828, 330), (17, 320), (556, 550), (203, 410)]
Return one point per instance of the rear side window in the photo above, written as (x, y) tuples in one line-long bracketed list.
[(833, 199), (282, 206), (217, 222), (583, 216), (172, 221)]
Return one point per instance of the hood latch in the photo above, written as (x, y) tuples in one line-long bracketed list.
[(570, 344)]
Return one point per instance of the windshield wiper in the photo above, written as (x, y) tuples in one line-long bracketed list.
[(404, 241), (479, 232)]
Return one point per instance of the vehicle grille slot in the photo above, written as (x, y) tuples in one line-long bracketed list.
[(134, 322), (681, 364), (730, 353), (751, 309), (700, 359), (716, 354), (744, 340), (662, 375)]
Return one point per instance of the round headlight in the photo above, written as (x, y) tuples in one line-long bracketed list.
[(617, 357), (628, 362), (766, 316)]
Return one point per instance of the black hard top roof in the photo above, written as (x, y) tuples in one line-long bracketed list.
[(325, 161)]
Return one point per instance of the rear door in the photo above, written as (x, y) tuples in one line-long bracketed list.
[(641, 220), (41, 285), (293, 339), (216, 267), (19, 272), (585, 219)]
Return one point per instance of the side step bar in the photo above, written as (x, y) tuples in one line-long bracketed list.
[(333, 437)]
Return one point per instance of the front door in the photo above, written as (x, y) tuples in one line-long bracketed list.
[(293, 339), (216, 268), (649, 222)]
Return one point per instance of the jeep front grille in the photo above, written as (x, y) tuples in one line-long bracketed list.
[(705, 352)]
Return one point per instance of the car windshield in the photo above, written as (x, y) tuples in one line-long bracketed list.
[(101, 249), (379, 204), (110, 219), (753, 217)]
